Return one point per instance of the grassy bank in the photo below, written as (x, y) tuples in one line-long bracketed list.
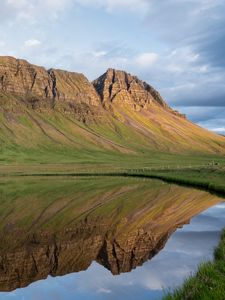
[(209, 281), (210, 178)]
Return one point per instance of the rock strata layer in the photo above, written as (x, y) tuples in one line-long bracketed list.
[(71, 92), (119, 88), (43, 89)]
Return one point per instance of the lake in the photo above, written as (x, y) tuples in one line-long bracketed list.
[(103, 237)]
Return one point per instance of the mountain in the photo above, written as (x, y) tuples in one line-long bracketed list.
[(44, 112)]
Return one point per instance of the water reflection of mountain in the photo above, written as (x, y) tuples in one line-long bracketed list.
[(59, 226)]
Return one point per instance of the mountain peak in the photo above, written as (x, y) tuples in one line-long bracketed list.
[(122, 88)]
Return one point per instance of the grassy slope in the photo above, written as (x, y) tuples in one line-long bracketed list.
[(209, 281), (129, 139)]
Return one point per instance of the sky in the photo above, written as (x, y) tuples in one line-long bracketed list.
[(178, 46)]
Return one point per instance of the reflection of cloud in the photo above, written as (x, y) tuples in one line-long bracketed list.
[(153, 283), (219, 206)]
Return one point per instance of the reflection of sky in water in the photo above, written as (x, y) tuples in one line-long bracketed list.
[(183, 252)]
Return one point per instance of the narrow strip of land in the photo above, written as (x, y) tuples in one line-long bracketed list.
[(211, 179)]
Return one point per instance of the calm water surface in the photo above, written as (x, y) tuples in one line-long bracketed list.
[(103, 238)]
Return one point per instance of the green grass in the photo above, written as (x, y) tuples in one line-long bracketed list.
[(209, 281), (46, 159), (209, 178), (29, 137)]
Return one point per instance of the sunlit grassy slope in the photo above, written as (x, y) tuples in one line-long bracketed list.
[(122, 138)]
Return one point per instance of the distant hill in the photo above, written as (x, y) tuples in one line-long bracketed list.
[(53, 110)]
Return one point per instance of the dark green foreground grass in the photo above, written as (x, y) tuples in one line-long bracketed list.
[(209, 281)]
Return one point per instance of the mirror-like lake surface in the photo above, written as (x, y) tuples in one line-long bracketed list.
[(102, 238)]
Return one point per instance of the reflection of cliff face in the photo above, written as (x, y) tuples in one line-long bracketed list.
[(56, 227)]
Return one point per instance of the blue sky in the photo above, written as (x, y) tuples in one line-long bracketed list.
[(176, 45)]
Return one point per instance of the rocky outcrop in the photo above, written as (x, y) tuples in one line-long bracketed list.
[(21, 78), (41, 89), (70, 92), (121, 88)]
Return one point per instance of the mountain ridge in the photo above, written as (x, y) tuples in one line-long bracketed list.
[(19, 77), (116, 113)]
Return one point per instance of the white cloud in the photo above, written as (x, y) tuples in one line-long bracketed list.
[(2, 44), (17, 4), (99, 53), (146, 60), (95, 63), (115, 5), (32, 43), (56, 4), (32, 10), (220, 129)]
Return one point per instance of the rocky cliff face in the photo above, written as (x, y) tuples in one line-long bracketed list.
[(21, 78), (70, 92), (43, 89), (121, 88)]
